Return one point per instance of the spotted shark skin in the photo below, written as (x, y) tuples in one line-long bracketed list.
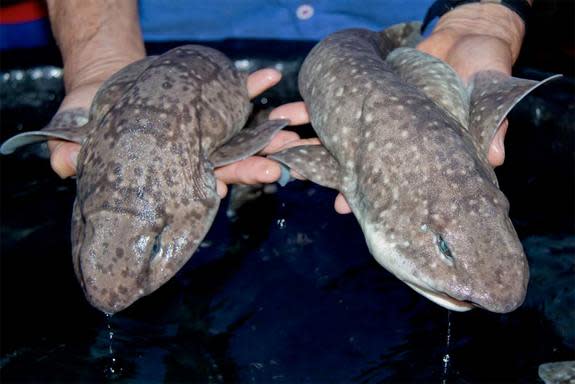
[(406, 143), (146, 190)]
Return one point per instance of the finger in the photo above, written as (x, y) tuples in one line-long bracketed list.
[(63, 157), (253, 170), (221, 188), (281, 139), (261, 80), (296, 113), (301, 142), (288, 143), (341, 206), (496, 154)]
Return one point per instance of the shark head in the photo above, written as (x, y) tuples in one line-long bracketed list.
[(137, 220), (119, 255), (458, 249)]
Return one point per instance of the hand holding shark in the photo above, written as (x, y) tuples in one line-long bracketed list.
[(146, 187)]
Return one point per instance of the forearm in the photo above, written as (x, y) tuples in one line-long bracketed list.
[(96, 38)]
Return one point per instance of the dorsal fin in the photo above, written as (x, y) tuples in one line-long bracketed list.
[(434, 78), (493, 95)]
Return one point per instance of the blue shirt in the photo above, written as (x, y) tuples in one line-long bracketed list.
[(210, 20), (270, 19)]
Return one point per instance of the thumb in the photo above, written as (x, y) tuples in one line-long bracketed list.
[(496, 154), (63, 157)]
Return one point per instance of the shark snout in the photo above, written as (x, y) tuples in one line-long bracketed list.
[(115, 272), (498, 288), (505, 291), (462, 281)]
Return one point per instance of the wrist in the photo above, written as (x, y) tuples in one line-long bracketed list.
[(94, 65), (488, 20), (96, 38)]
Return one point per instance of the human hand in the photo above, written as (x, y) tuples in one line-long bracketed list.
[(64, 154), (96, 40), (467, 55), (476, 37)]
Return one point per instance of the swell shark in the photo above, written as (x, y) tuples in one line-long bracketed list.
[(146, 190), (406, 142)]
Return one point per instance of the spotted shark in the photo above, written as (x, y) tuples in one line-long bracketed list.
[(146, 190), (406, 142)]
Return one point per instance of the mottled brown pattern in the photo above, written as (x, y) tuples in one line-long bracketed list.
[(146, 191)]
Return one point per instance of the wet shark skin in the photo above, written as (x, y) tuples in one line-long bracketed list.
[(414, 172), (146, 190), (166, 125)]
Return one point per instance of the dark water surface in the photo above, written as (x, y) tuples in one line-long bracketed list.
[(286, 291)]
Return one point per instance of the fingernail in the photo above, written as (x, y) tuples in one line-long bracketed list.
[(74, 158), (500, 146)]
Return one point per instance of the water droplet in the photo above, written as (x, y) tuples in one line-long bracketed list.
[(447, 358)]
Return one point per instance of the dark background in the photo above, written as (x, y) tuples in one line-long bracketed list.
[(286, 290)]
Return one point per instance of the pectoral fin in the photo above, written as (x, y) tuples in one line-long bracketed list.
[(247, 142), (314, 162), (70, 125), (493, 95)]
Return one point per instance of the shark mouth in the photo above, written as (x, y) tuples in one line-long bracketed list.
[(442, 299)]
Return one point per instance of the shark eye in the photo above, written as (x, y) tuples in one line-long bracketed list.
[(157, 245), (444, 248)]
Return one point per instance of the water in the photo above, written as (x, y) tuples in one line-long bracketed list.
[(286, 291), (447, 358)]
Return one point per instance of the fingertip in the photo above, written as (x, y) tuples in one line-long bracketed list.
[(269, 172), (295, 112), (252, 170), (285, 137), (60, 160), (221, 188), (341, 206), (261, 80), (496, 153), (270, 75)]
